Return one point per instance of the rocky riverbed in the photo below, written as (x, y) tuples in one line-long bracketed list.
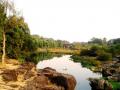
[(111, 77), (26, 77)]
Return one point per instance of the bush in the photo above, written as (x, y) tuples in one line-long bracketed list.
[(92, 52), (87, 52), (86, 61), (104, 56), (116, 85)]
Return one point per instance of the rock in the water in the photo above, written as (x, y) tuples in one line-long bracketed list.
[(64, 80), (100, 84)]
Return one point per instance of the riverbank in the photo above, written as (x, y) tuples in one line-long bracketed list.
[(110, 71), (58, 50), (88, 62), (110, 79), (16, 76)]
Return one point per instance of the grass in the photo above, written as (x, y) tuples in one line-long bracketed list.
[(86, 61), (59, 50), (116, 85)]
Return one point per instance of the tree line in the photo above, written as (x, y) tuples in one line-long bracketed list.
[(16, 40)]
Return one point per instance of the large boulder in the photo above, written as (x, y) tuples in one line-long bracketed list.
[(50, 79), (100, 84), (40, 83), (60, 79)]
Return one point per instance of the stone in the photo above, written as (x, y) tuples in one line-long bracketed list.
[(43, 79), (64, 80), (99, 84), (9, 75)]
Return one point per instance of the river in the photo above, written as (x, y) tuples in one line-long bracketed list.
[(64, 64)]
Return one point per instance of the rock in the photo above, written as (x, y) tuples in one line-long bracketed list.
[(53, 87), (26, 70), (28, 75), (100, 84), (44, 79), (36, 84), (114, 78), (27, 66), (112, 72), (41, 82), (9, 75), (50, 79), (64, 80), (108, 72)]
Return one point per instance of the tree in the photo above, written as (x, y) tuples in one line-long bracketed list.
[(5, 7), (76, 45), (96, 41), (17, 35), (114, 41)]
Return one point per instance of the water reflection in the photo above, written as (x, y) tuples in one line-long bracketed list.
[(36, 57), (65, 65)]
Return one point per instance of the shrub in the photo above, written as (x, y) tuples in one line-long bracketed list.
[(86, 61), (104, 56), (92, 52), (87, 52)]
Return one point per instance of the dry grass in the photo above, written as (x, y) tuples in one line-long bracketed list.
[(58, 50)]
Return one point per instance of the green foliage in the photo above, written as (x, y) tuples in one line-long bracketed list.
[(93, 51), (104, 56), (98, 41), (96, 51), (116, 85), (87, 52), (19, 42), (49, 42), (2, 14), (114, 49), (77, 45), (114, 41), (86, 61)]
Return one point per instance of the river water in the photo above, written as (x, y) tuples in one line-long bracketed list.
[(65, 65)]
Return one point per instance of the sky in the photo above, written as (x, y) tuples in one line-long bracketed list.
[(72, 20)]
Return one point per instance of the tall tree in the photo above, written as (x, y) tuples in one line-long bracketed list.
[(6, 9)]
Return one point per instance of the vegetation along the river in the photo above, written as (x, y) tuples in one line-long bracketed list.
[(16, 42), (103, 57)]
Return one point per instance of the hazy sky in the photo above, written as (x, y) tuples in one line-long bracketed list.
[(72, 20)]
